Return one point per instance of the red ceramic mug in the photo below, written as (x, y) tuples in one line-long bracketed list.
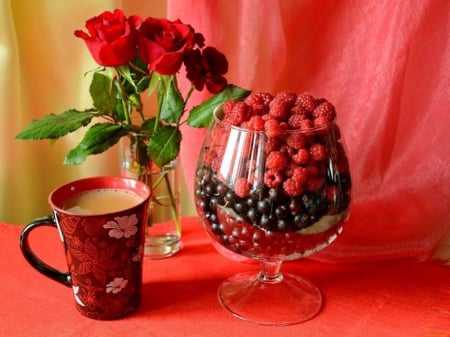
[(101, 221)]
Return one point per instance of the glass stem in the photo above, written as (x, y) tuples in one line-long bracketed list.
[(270, 271)]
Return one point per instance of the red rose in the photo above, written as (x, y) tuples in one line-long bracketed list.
[(207, 69), (162, 44), (112, 39)]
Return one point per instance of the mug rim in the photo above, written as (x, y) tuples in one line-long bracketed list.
[(74, 187)]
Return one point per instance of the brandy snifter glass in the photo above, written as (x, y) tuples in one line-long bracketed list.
[(257, 205)]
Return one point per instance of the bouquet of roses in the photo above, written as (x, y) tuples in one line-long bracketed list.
[(138, 56)]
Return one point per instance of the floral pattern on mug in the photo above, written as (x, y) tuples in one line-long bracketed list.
[(122, 226), (116, 285)]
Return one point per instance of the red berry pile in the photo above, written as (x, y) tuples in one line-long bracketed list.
[(287, 110), (273, 166)]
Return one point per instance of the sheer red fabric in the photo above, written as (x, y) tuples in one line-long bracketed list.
[(385, 66)]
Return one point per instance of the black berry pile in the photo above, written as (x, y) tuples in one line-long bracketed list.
[(267, 208)]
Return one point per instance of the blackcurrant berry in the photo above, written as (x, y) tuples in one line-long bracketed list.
[(263, 206), (221, 188)]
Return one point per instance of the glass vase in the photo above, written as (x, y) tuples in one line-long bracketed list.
[(163, 235)]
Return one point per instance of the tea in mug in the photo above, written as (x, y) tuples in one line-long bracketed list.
[(101, 201)]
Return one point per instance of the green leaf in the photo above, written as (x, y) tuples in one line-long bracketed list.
[(103, 93), (55, 126), (97, 139), (200, 116), (172, 104), (164, 145), (148, 126)]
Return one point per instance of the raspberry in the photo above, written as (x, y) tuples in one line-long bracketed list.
[(276, 160), (245, 125), (321, 122), (272, 144), (228, 106), (279, 110), (295, 121), (254, 100), (325, 109), (259, 102), (272, 127), (292, 188), (256, 123), (296, 140), (314, 184), (313, 171), (318, 152), (209, 156), (289, 171), (242, 188), (220, 151), (290, 97), (306, 124), (242, 109), (267, 97), (273, 178), (301, 157), (300, 175), (220, 136), (299, 110), (232, 119), (239, 114), (307, 101)]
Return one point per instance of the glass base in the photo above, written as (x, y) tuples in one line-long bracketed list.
[(287, 300), (158, 247)]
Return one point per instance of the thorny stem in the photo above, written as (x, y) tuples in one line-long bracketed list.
[(123, 102), (145, 174), (135, 67), (173, 206)]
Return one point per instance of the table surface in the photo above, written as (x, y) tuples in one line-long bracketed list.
[(385, 298)]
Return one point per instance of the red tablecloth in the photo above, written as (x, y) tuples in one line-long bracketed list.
[(389, 298)]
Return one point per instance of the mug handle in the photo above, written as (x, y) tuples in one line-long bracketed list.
[(36, 262)]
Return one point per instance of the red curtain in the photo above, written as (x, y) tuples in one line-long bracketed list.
[(386, 67)]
